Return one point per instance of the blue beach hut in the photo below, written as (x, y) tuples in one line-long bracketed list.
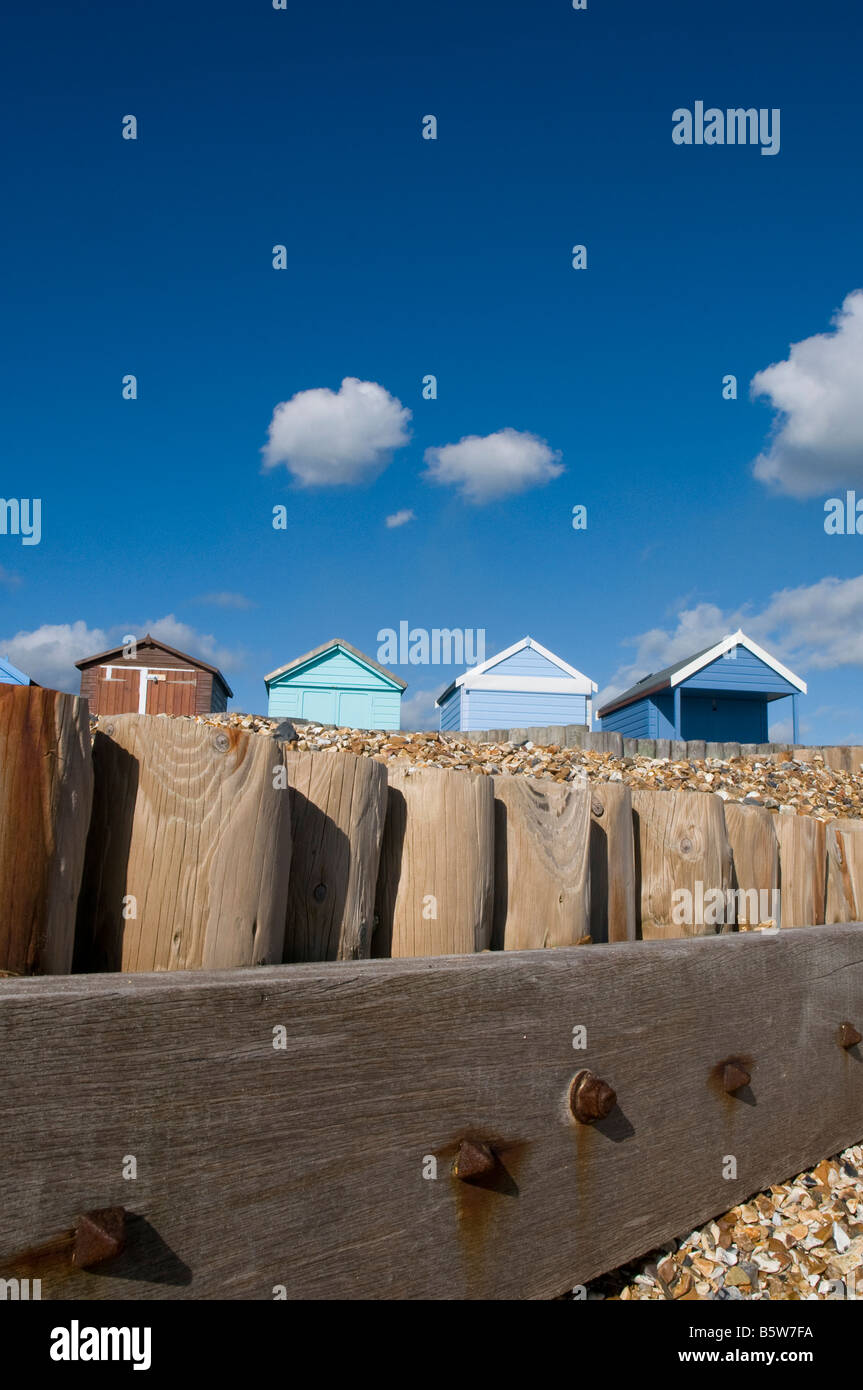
[(524, 686), (719, 695), (10, 675)]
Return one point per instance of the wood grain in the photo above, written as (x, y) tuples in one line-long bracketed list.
[(46, 790), (612, 863), (839, 758), (188, 824), (755, 861), (681, 842), (542, 866), (844, 843), (802, 869), (338, 807), (303, 1167), (435, 882)]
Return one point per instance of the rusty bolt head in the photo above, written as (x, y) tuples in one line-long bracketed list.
[(849, 1035), (99, 1235), (473, 1161), (734, 1077), (591, 1099)]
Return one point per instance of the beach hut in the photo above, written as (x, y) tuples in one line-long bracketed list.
[(149, 677), (522, 687), (10, 675), (719, 694), (338, 684)]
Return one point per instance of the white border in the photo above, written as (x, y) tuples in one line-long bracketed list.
[(475, 677), (735, 639)]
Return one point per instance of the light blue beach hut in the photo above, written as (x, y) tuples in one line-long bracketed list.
[(10, 675), (524, 686), (336, 684)]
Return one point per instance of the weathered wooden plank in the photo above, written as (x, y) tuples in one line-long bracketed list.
[(612, 863), (802, 869), (46, 790), (435, 882), (755, 862), (302, 1166), (844, 902), (681, 845), (838, 758), (338, 806), (542, 879), (189, 849)]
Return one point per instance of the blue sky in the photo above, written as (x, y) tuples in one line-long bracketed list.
[(406, 257)]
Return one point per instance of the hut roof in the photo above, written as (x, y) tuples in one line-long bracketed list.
[(334, 644), (680, 671), (101, 657)]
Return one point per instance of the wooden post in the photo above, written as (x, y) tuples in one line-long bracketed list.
[(844, 902), (855, 758), (802, 869), (612, 863), (838, 758), (46, 790), (189, 850), (312, 1154), (338, 807), (541, 848), (755, 855), (434, 892), (681, 845)]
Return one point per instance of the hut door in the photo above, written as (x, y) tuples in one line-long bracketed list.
[(118, 690), (171, 691)]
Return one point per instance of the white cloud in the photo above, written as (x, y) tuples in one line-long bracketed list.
[(418, 712), (819, 625), (225, 599), (329, 438), (401, 518), (187, 639), (695, 629), (485, 467), (818, 392), (813, 627), (9, 579), (49, 653)]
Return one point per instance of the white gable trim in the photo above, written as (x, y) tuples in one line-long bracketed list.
[(531, 685), (472, 677), (736, 639)]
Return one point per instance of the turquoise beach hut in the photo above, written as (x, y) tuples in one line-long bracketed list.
[(336, 684)]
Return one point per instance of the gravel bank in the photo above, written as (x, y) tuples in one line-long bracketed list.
[(798, 1240), (773, 780)]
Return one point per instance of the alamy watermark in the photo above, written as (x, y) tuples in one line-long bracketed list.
[(844, 515), (442, 646), (736, 126), (716, 907), (21, 517)]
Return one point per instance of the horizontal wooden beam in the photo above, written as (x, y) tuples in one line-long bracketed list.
[(308, 1166)]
